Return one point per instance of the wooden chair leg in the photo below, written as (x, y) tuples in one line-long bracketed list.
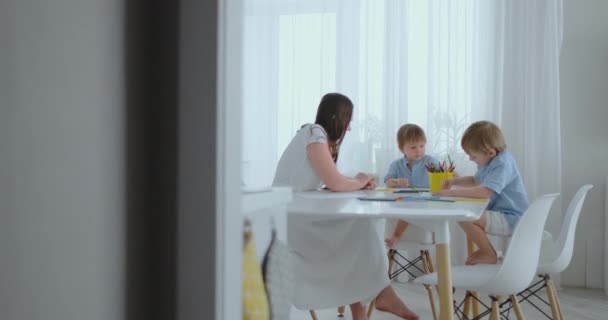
[(313, 314), (476, 307), (556, 298), (429, 289), (467, 306), (391, 261), (559, 305), (471, 247), (341, 311), (552, 298), (495, 311), (516, 308), (429, 261), (370, 309)]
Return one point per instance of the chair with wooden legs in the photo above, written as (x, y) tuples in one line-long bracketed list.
[(512, 275), (414, 239), (417, 240), (555, 258)]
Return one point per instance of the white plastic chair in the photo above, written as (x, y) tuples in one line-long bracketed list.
[(555, 257), (414, 239), (516, 270)]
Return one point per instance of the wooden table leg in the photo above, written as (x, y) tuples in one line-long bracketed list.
[(444, 273)]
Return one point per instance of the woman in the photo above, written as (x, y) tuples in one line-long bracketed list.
[(337, 261)]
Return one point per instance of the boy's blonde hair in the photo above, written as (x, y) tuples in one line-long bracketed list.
[(483, 136), (410, 133)]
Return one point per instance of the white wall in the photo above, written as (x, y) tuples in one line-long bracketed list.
[(61, 158), (584, 121)]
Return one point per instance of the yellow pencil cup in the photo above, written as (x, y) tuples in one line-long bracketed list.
[(436, 179)]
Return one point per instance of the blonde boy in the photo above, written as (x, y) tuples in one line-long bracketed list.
[(409, 170), (497, 179)]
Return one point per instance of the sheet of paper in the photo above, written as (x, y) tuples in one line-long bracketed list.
[(402, 190), (326, 194)]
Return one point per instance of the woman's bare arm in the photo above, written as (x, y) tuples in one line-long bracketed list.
[(326, 169)]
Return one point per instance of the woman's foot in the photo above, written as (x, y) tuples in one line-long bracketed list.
[(358, 311), (482, 257), (388, 301)]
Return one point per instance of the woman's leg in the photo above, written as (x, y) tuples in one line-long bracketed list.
[(358, 311), (388, 301)]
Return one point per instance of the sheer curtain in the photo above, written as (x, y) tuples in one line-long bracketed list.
[(439, 64)]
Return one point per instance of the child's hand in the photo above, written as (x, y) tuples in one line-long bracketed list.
[(403, 183), (447, 184), (443, 193)]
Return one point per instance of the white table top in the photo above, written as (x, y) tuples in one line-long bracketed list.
[(345, 204)]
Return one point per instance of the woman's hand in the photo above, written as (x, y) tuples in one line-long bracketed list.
[(364, 178), (368, 180), (371, 184)]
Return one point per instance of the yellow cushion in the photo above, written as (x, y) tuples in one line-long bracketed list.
[(255, 301)]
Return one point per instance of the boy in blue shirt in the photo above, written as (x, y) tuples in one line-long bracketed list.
[(409, 170), (497, 179)]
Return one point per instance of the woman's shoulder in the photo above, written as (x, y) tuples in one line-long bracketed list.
[(314, 128), (313, 133)]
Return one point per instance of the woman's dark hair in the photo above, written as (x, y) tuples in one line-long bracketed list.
[(334, 114)]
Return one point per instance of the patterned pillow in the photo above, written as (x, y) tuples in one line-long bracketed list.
[(278, 277)]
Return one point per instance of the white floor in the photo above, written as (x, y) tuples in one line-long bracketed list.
[(576, 304)]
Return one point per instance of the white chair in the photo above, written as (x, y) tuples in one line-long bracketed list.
[(555, 257), (414, 239), (516, 270)]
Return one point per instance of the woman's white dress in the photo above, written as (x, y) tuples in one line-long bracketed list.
[(336, 261)]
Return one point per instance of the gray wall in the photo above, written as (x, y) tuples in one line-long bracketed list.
[(62, 158), (584, 116), (199, 204), (88, 160)]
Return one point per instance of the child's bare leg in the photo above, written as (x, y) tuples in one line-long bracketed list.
[(358, 311), (388, 301), (397, 233), (476, 232), (400, 228)]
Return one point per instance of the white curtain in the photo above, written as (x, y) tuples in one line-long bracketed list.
[(439, 64)]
